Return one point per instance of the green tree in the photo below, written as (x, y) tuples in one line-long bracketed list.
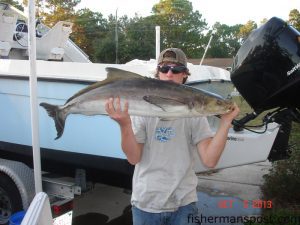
[(225, 42), (88, 27), (52, 11), (180, 26), (294, 19), (139, 39), (105, 48), (136, 39), (246, 29), (38, 5)]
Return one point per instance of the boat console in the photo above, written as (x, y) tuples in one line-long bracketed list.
[(52, 44)]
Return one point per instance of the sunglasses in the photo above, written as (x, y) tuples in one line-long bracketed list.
[(174, 69)]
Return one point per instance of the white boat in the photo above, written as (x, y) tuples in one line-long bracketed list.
[(91, 143)]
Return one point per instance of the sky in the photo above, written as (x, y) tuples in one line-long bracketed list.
[(228, 12)]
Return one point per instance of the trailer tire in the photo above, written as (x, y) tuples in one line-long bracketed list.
[(10, 198)]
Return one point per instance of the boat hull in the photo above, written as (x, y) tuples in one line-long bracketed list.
[(89, 142)]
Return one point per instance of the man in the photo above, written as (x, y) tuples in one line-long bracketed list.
[(163, 152)]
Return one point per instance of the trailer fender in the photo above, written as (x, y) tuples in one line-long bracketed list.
[(23, 178)]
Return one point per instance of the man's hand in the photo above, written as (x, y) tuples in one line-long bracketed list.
[(131, 148), (226, 119), (116, 112)]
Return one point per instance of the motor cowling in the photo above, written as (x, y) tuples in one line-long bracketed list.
[(266, 69)]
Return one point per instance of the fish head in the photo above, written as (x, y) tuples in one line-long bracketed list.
[(213, 105)]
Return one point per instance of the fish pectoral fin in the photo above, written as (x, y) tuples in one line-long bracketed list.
[(162, 102)]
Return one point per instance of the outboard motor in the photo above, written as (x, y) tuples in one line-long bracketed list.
[(266, 72)]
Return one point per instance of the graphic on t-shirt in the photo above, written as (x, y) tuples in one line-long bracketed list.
[(164, 134)]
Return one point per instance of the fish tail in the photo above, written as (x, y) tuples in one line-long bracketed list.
[(58, 116)]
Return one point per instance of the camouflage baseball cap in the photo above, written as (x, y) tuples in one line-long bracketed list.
[(174, 55)]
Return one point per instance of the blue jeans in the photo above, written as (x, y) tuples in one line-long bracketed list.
[(183, 216)]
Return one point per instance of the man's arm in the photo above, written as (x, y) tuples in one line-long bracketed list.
[(131, 148), (211, 149)]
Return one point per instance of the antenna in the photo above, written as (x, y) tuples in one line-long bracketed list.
[(207, 46), (117, 38)]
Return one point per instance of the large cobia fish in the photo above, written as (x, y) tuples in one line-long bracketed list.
[(146, 97)]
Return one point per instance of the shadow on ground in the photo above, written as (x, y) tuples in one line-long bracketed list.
[(101, 219)]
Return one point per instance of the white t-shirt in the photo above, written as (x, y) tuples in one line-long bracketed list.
[(164, 179)]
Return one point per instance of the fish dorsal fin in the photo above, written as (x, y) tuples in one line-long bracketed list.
[(113, 74), (119, 74)]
